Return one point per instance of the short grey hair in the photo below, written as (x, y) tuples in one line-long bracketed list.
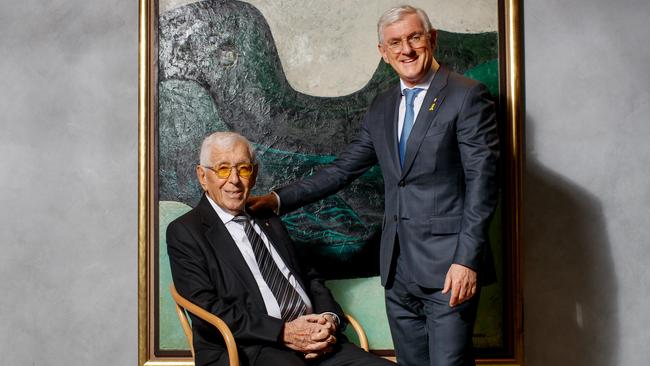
[(398, 13), (224, 140)]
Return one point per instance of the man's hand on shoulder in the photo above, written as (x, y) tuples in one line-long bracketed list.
[(310, 334), (461, 281), (262, 204)]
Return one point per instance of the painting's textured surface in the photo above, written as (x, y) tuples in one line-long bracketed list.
[(219, 70)]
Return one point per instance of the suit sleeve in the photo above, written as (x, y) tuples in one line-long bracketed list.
[(357, 157), (322, 299), (479, 151), (320, 296), (192, 280)]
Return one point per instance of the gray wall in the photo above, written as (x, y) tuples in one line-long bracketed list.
[(587, 203), (68, 157), (68, 160)]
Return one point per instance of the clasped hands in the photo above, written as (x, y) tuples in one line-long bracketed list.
[(312, 334)]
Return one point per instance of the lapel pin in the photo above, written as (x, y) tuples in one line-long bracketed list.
[(433, 105)]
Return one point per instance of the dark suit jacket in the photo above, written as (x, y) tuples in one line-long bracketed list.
[(440, 205), (209, 270)]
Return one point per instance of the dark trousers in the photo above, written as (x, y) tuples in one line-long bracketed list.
[(344, 354), (426, 331)]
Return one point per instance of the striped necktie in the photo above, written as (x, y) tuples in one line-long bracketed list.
[(290, 302), (409, 119)]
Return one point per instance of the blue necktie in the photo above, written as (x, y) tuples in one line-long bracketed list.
[(290, 302), (409, 119)]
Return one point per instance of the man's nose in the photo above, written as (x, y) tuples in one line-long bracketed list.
[(234, 175), (406, 47)]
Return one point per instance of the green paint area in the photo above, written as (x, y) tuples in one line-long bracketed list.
[(170, 333), (363, 298), (336, 229), (488, 74), (464, 51)]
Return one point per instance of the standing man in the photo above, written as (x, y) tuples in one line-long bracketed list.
[(435, 138), (244, 269)]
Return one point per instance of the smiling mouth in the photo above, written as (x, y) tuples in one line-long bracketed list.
[(409, 60), (237, 194)]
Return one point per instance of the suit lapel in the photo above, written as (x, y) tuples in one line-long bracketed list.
[(391, 115), (225, 248), (430, 106)]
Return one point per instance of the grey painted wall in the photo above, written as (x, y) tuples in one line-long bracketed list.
[(68, 157), (68, 161), (587, 215)]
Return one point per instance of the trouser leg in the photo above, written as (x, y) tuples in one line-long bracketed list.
[(425, 329), (272, 356), (450, 328), (407, 323), (348, 354), (343, 354)]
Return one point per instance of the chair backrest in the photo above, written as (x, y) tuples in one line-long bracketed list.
[(182, 316), (183, 305)]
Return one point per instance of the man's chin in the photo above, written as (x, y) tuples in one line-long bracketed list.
[(236, 207), (411, 81), (413, 75)]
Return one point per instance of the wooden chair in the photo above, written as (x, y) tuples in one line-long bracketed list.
[(183, 306)]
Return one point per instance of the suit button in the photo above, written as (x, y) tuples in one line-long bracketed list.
[(394, 217), (401, 183)]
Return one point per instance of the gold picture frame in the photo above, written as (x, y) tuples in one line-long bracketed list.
[(511, 75)]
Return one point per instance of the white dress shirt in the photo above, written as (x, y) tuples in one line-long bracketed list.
[(243, 244), (417, 103)]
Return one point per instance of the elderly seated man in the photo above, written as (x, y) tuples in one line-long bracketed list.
[(244, 269)]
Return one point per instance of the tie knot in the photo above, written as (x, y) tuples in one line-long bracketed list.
[(411, 93), (240, 219)]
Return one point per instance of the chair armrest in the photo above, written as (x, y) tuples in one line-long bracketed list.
[(221, 326), (363, 339)]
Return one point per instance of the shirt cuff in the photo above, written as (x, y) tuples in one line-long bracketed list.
[(336, 317)]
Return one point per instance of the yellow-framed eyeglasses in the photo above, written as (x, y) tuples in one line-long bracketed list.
[(244, 170)]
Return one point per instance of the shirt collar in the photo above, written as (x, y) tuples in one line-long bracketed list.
[(425, 82), (225, 216)]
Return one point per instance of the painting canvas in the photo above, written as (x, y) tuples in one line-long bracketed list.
[(296, 79)]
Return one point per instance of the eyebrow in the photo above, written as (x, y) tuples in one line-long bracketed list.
[(229, 163), (407, 37)]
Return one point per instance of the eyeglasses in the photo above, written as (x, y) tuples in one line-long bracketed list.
[(244, 170), (417, 40)]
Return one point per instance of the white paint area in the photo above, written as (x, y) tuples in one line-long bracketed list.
[(329, 50)]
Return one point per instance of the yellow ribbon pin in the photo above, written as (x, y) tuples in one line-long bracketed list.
[(433, 105)]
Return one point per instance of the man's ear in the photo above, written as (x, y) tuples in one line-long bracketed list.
[(203, 180), (382, 52), (433, 38)]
